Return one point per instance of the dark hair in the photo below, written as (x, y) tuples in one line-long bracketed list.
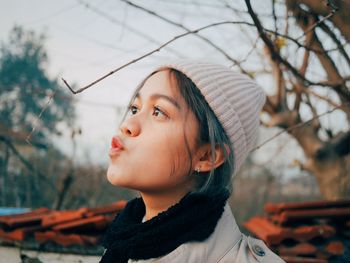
[(210, 131)]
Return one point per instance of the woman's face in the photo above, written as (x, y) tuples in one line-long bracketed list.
[(154, 157)]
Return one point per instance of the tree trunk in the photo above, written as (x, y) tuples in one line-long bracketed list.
[(332, 175), (326, 161)]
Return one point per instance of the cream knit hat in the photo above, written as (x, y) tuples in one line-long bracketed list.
[(234, 97)]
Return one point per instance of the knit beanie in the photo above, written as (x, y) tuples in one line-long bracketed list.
[(235, 99)]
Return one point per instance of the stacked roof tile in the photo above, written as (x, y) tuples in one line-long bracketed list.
[(69, 228), (315, 232)]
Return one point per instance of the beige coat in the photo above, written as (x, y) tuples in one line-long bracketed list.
[(225, 245)]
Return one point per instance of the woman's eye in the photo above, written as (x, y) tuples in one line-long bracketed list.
[(158, 112), (133, 109)]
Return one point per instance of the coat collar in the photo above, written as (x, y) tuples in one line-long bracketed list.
[(226, 235)]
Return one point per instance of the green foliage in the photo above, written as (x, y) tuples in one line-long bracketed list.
[(28, 175), (25, 87)]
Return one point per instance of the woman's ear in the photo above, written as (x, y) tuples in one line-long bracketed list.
[(204, 160)]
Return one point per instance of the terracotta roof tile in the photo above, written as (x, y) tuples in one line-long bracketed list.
[(65, 239), (59, 217), (96, 222), (300, 249), (291, 259), (278, 208), (108, 209), (312, 214), (82, 227), (23, 219), (19, 234), (274, 234), (335, 247), (307, 231)]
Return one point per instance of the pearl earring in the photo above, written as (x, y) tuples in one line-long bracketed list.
[(198, 169)]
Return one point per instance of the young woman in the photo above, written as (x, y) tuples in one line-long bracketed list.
[(189, 128)]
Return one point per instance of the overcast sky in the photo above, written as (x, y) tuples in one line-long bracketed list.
[(85, 42)]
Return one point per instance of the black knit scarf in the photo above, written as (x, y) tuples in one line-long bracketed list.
[(193, 218)]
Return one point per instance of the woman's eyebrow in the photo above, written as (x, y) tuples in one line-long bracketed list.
[(162, 96)]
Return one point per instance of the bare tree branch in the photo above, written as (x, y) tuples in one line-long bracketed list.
[(324, 58), (39, 117), (153, 51), (298, 96), (299, 87), (269, 106), (331, 83), (250, 51), (274, 15), (208, 41), (114, 20), (315, 123), (317, 23), (273, 50), (24, 161), (281, 99), (283, 61), (285, 35), (328, 100), (289, 129), (341, 20), (340, 46), (341, 144)]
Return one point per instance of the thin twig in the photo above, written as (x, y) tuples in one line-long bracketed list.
[(274, 15), (250, 51), (286, 63), (208, 41), (39, 117), (333, 36), (153, 51), (130, 29), (316, 24), (328, 100)]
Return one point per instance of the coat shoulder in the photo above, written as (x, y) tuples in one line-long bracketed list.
[(251, 250), (261, 252)]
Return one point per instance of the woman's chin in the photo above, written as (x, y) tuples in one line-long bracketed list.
[(113, 176)]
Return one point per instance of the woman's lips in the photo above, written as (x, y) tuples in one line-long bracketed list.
[(116, 146)]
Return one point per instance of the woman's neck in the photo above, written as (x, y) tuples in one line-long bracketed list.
[(156, 203)]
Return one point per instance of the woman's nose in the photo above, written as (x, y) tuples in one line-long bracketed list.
[(130, 127)]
